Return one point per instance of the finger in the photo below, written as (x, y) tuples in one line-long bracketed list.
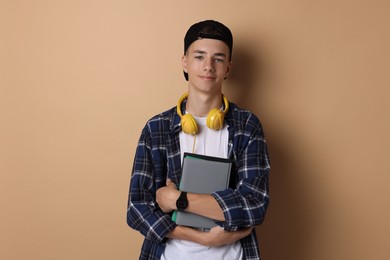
[(248, 231), (170, 183)]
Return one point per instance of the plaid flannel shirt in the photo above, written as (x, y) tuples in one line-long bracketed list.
[(158, 157)]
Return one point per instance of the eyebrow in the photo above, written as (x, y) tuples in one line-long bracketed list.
[(215, 54)]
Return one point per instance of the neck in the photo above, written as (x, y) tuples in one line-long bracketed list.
[(200, 105)]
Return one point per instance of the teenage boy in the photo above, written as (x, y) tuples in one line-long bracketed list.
[(203, 122)]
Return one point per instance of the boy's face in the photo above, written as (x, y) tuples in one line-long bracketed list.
[(207, 64)]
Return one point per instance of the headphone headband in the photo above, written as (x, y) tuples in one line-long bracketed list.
[(214, 120), (185, 96)]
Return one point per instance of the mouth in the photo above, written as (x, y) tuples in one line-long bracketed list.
[(208, 78)]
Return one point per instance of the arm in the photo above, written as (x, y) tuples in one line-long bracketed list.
[(201, 204), (246, 205), (216, 237), (143, 214)]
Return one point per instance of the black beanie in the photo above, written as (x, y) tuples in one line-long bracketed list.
[(208, 29)]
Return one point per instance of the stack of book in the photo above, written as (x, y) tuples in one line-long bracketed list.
[(203, 175)]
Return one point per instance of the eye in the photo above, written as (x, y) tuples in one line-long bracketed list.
[(199, 57), (219, 60)]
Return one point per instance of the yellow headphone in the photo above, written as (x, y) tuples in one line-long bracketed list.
[(214, 118)]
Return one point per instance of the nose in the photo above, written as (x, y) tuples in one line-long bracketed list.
[(208, 64)]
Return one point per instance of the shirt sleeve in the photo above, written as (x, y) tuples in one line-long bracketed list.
[(246, 205), (143, 214)]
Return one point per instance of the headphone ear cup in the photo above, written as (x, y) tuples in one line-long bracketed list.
[(215, 119), (188, 124)]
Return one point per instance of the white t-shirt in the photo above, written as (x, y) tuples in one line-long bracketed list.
[(212, 143)]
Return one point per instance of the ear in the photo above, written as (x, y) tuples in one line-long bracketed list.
[(229, 66), (184, 63)]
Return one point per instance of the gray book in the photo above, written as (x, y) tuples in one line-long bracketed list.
[(203, 175)]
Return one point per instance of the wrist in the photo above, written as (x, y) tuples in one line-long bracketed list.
[(182, 201)]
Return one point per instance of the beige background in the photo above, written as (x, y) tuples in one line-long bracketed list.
[(80, 78)]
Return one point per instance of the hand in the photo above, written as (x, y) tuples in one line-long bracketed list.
[(166, 197), (218, 237)]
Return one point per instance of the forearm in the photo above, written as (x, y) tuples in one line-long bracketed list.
[(201, 204), (214, 238), (204, 205), (187, 233)]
